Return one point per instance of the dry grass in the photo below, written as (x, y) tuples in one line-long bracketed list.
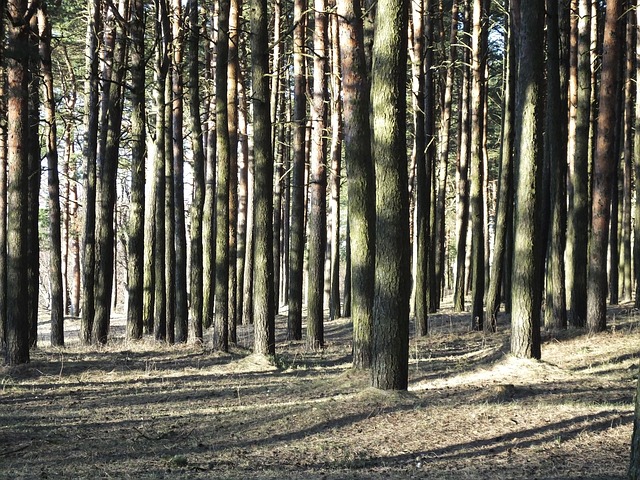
[(142, 410)]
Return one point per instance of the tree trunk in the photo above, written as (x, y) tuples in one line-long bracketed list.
[(504, 206), (182, 308), (17, 326), (264, 299), (195, 126), (106, 185), (476, 196), (603, 173), (135, 261), (529, 244), (296, 249), (390, 346), (317, 184), (221, 326), (57, 292), (336, 157), (556, 156), (360, 178), (578, 181), (232, 112), (462, 176), (636, 168)]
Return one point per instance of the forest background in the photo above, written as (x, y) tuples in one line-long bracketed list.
[(320, 161)]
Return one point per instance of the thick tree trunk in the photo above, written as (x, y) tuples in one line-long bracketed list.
[(390, 346), (360, 179), (529, 244), (135, 261), (264, 299), (17, 326), (296, 250), (603, 173)]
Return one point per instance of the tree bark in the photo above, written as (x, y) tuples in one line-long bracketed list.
[(264, 299), (603, 173), (390, 346), (360, 178), (529, 244)]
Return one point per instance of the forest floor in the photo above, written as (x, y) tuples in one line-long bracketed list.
[(142, 410)]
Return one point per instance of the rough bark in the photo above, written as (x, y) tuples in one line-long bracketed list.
[(603, 173), (529, 245), (390, 346), (264, 299), (360, 178)]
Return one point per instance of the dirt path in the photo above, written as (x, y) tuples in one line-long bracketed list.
[(472, 412)]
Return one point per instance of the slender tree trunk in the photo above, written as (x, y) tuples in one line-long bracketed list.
[(195, 126), (232, 112), (556, 156), (505, 186), (170, 208), (602, 173), (264, 305), (17, 326), (317, 184), (422, 168), (336, 156), (578, 180), (3, 185), (182, 308), (476, 198), (296, 249), (462, 179), (245, 213), (135, 261), (360, 178), (529, 243), (57, 292), (221, 326), (390, 346), (636, 168)]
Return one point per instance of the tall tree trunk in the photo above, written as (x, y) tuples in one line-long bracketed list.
[(636, 168), (232, 112), (34, 179), (159, 95), (106, 185), (476, 199), (17, 326), (245, 217), (390, 346), (602, 173), (423, 168), (221, 326), (209, 217), (462, 177), (55, 272), (360, 178), (556, 156), (317, 184), (625, 245), (578, 179), (264, 299), (182, 308), (3, 185), (170, 208), (276, 108), (195, 126), (296, 249), (443, 158), (505, 185), (135, 260), (528, 242), (336, 156)]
